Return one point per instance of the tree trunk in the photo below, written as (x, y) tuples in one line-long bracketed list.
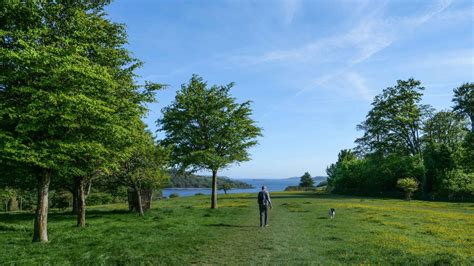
[(13, 204), (89, 185), (151, 197), (75, 200), (139, 201), (41, 219), (81, 203), (214, 190)]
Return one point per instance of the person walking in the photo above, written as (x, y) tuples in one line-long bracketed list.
[(264, 202)]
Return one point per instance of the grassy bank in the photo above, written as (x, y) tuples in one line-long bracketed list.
[(185, 231)]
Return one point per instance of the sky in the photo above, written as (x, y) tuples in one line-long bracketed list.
[(311, 68)]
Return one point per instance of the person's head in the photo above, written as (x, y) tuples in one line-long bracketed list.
[(264, 188)]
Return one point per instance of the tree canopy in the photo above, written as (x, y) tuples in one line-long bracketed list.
[(207, 128), (68, 98)]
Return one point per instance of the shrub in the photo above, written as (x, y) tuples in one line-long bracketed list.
[(174, 195), (322, 184), (99, 198), (61, 199), (409, 185), (458, 182), (199, 194), (299, 188)]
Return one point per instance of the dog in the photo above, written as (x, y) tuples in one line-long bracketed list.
[(332, 213)]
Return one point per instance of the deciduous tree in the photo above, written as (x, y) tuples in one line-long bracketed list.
[(67, 93), (208, 128)]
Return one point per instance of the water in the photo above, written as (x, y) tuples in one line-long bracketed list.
[(273, 185)]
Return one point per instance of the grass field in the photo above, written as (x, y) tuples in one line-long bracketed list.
[(185, 231)]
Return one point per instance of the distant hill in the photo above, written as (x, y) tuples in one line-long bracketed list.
[(199, 181)]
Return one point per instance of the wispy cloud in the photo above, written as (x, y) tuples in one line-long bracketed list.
[(359, 84), (368, 37), (289, 9)]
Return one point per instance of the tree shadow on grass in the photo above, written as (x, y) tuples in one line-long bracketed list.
[(229, 225), (13, 217), (300, 195)]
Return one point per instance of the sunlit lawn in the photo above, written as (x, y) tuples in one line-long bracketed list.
[(185, 231)]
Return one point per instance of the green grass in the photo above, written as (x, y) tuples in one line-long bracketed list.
[(184, 231)]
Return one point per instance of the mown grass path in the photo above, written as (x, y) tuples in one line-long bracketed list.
[(186, 231)]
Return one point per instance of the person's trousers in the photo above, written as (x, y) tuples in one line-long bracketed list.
[(263, 214)]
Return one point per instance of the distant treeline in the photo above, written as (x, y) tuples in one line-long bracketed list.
[(198, 181), (403, 138)]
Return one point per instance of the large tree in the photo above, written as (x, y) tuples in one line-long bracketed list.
[(445, 128), (208, 128), (394, 123), (67, 94), (464, 101)]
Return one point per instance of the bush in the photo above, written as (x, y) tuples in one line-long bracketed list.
[(322, 184), (199, 194), (459, 183), (61, 199), (99, 198), (174, 195), (299, 188), (409, 185)]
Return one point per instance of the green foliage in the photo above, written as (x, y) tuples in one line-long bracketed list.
[(174, 195), (404, 138), (409, 185), (393, 124), (225, 187), (299, 188), (459, 183), (67, 64), (464, 101), (445, 128), (61, 199), (207, 128), (306, 180), (99, 198), (68, 97), (322, 184), (145, 168), (5, 195)]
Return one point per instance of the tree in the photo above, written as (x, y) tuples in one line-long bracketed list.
[(393, 124), (67, 94), (460, 183), (443, 137), (306, 180), (333, 170), (144, 168), (208, 129), (409, 185), (444, 127), (226, 186), (464, 102)]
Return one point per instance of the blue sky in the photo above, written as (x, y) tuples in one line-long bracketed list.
[(310, 67)]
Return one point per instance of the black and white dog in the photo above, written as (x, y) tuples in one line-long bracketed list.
[(332, 213)]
